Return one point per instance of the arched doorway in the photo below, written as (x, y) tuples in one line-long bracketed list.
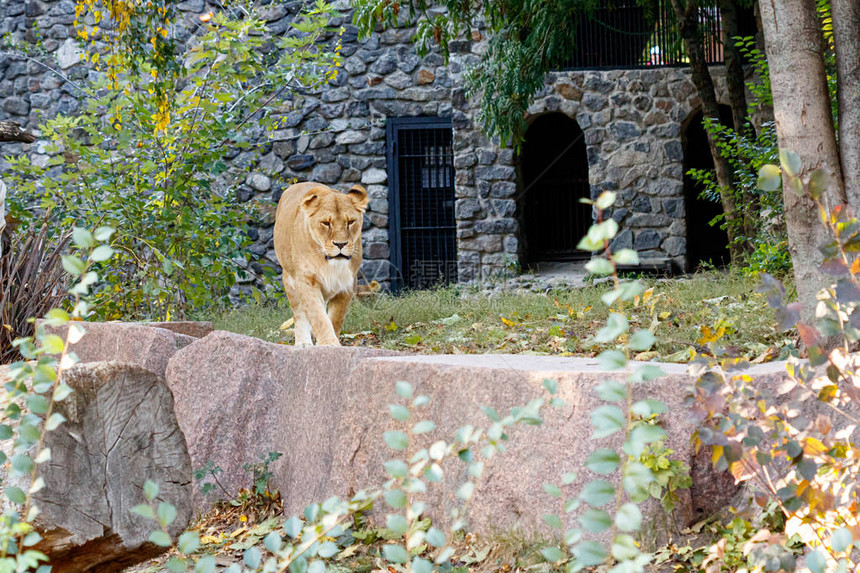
[(554, 171), (705, 243)]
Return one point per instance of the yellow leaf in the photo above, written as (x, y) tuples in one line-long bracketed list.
[(813, 447), (507, 322), (391, 326), (287, 323), (710, 336), (664, 315)]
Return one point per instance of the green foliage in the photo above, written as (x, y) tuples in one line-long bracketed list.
[(793, 442), (621, 415), (670, 475), (35, 386), (152, 165), (260, 472)]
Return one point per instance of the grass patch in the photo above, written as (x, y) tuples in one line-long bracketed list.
[(684, 314)]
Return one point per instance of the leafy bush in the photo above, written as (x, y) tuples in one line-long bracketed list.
[(793, 443), (146, 154), (34, 386)]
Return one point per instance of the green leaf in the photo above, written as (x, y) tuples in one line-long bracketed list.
[(328, 549), (603, 461), (611, 360), (599, 267), (101, 253), (790, 162), (817, 561), (641, 340), (205, 565), (819, 182), (607, 420), (550, 385), (841, 540), (188, 542), (397, 523), (466, 490), (423, 427), (252, 558), (626, 257), (612, 391), (616, 325), (553, 520), (73, 265), (160, 538), (435, 537), (552, 489), (403, 389), (82, 238), (37, 403), (53, 344), (398, 412), (144, 510), (293, 527), (299, 565), (16, 495), (628, 517), (595, 520), (624, 548), (62, 392), (103, 234), (589, 553), (640, 436), (57, 317), (22, 463), (396, 468), (176, 564), (395, 554), (396, 440), (150, 489), (5, 432), (420, 565), (605, 200), (395, 498), (646, 373), (273, 542), (54, 421), (769, 178), (568, 478), (598, 492), (552, 554), (31, 539), (648, 407)]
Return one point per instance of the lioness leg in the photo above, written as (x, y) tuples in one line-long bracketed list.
[(302, 325), (312, 304), (337, 308)]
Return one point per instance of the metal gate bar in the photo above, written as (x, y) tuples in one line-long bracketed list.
[(422, 228)]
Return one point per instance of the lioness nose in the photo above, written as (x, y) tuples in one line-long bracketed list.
[(339, 245)]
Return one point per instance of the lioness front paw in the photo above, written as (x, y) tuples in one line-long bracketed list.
[(303, 344)]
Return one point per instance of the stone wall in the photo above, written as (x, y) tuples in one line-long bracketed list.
[(632, 121)]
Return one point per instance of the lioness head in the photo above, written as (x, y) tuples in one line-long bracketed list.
[(334, 220)]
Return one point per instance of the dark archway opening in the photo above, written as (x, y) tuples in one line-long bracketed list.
[(706, 243), (554, 172)]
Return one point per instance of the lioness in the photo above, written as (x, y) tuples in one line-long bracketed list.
[(318, 243)]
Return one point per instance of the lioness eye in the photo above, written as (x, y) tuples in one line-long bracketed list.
[(326, 224), (350, 222)]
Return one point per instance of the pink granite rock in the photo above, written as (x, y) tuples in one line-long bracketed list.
[(326, 410)]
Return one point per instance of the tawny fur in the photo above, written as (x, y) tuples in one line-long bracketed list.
[(318, 243)]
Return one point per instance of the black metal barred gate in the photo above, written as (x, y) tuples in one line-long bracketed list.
[(422, 228)]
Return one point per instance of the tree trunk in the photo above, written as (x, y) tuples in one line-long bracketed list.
[(120, 431), (11, 131), (804, 124), (736, 84), (846, 32), (689, 27)]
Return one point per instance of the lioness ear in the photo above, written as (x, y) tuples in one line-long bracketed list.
[(359, 197), (310, 200)]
